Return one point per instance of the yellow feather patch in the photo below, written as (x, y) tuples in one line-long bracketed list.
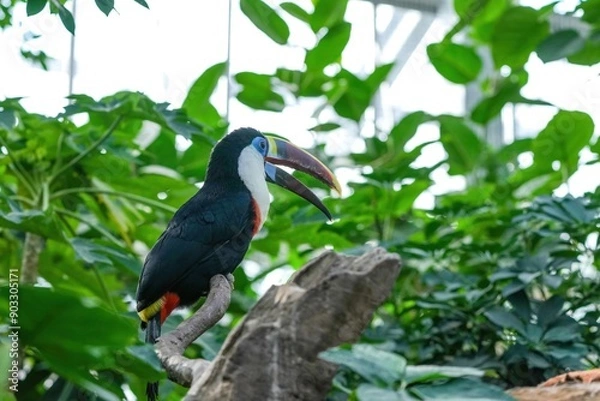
[(147, 313)]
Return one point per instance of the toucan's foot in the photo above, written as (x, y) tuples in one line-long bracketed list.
[(231, 280), (582, 376)]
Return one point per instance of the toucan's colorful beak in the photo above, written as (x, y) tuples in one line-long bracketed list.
[(286, 154)]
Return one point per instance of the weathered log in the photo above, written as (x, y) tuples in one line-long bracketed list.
[(273, 353), (565, 392)]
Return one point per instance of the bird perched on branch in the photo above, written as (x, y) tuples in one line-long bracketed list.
[(211, 232)]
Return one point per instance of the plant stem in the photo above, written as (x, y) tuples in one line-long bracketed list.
[(125, 195), (103, 287), (91, 225), (32, 247), (86, 152), (20, 172)]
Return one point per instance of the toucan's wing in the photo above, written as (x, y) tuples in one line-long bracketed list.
[(200, 230)]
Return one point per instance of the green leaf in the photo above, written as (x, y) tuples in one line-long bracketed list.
[(563, 138), (461, 390), (457, 63), (330, 47), (142, 3), (33, 221), (67, 18), (378, 76), (462, 144), (590, 54), (516, 34), (370, 362), (295, 10), (549, 310), (257, 92), (564, 333), (328, 13), (368, 392), (35, 6), (591, 11), (560, 45), (349, 95), (505, 319), (48, 321), (197, 102), (429, 373), (407, 128), (141, 360), (106, 6), (507, 90), (96, 252), (326, 127), (266, 19)]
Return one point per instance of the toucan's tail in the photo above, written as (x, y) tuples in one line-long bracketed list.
[(152, 334)]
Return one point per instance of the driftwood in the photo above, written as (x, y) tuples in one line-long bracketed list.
[(565, 392), (273, 353)]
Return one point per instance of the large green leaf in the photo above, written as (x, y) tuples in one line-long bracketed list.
[(457, 63), (197, 102), (106, 6), (591, 11), (258, 92), (66, 18), (563, 138), (461, 390), (72, 335), (34, 221), (328, 13), (407, 128), (35, 6), (505, 319), (96, 252), (463, 146), (330, 47), (590, 54), (370, 362), (507, 90), (367, 392), (559, 45), (516, 34), (430, 373), (266, 19), (295, 10)]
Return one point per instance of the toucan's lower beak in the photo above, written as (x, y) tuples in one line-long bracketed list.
[(286, 154)]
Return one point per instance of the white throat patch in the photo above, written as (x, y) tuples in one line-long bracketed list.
[(251, 168)]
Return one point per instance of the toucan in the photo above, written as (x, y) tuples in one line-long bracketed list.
[(211, 232)]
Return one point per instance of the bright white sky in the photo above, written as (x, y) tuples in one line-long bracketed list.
[(161, 51)]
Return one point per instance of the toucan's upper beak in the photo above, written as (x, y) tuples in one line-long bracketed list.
[(286, 154)]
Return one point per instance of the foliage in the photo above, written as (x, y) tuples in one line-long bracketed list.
[(500, 284)]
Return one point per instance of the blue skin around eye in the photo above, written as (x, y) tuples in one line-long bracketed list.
[(258, 142)]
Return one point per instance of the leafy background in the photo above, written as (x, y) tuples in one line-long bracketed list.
[(500, 284)]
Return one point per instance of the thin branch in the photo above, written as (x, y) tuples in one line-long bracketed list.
[(171, 346), (23, 199), (125, 195), (86, 152)]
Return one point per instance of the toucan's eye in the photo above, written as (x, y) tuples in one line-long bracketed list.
[(261, 145)]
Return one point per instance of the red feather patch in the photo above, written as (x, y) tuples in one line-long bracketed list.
[(257, 218), (170, 302)]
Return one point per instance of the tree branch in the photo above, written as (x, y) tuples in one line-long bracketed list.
[(32, 247), (170, 347), (273, 354)]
